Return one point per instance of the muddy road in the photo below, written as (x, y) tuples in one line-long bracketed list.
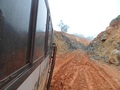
[(76, 71)]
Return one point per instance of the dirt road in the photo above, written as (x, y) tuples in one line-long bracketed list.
[(75, 71)]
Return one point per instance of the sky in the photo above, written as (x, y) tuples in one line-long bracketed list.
[(87, 17)]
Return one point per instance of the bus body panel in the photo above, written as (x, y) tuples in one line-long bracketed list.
[(37, 78)]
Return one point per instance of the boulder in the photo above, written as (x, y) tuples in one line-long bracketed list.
[(114, 57), (104, 37)]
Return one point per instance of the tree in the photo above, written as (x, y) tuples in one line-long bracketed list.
[(63, 26)]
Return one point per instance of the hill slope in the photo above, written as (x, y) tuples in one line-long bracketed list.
[(67, 42), (107, 43)]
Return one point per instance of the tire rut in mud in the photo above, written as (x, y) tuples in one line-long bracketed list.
[(81, 73)]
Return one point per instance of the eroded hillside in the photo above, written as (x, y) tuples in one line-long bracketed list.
[(67, 42), (106, 45)]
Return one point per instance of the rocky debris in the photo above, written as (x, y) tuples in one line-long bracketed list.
[(117, 45), (108, 40), (103, 37), (68, 42), (114, 57)]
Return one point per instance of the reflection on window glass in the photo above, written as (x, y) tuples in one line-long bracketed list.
[(14, 24), (40, 30), (50, 35)]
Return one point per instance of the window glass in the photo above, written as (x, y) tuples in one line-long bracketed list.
[(40, 30), (50, 35), (14, 25)]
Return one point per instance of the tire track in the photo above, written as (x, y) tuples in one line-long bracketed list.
[(64, 76), (89, 79), (78, 72), (64, 62), (98, 81), (109, 79)]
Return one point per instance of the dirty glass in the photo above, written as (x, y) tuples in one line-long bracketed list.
[(50, 37), (40, 30), (14, 25)]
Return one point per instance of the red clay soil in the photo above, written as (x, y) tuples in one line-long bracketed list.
[(75, 71)]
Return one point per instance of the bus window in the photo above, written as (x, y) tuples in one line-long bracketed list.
[(14, 28), (40, 30), (50, 35)]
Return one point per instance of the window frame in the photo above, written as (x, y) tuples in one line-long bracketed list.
[(45, 36), (50, 38), (47, 51)]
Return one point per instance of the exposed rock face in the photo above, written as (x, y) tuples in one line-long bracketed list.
[(66, 42), (107, 41), (115, 22)]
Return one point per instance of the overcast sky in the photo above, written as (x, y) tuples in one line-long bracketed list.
[(87, 17)]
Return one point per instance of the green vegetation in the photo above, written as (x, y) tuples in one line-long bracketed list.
[(63, 26)]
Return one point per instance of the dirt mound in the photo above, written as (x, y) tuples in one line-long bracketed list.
[(66, 42), (107, 41), (75, 71)]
